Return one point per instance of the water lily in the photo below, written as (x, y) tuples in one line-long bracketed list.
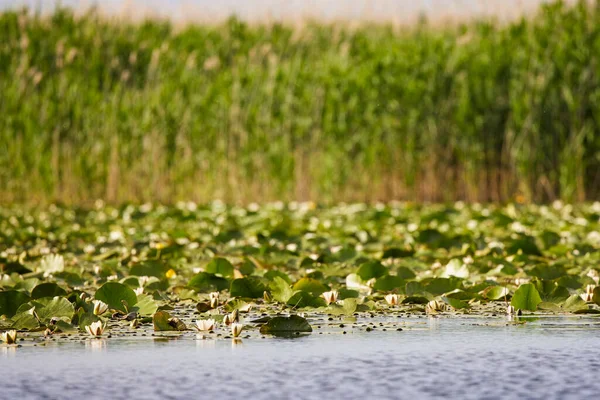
[(9, 337), (330, 297), (100, 307), (214, 299), (52, 264), (510, 310), (205, 324), (231, 318), (95, 328), (138, 291), (435, 306), (588, 296), (392, 299), (236, 329)]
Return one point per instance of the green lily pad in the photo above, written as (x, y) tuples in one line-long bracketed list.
[(312, 286), (114, 294), (281, 290), (250, 287), (47, 289), (286, 325), (207, 281), (10, 301), (220, 266), (526, 297), (371, 269)]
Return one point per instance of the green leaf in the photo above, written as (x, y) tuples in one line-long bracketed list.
[(163, 321), (55, 307), (455, 303), (312, 286), (220, 266), (574, 302), (114, 294), (250, 287), (145, 305), (438, 286), (10, 302), (154, 268), (47, 289), (526, 298), (371, 269), (301, 298), (496, 292), (281, 290), (388, 283), (286, 325), (25, 320), (207, 281)]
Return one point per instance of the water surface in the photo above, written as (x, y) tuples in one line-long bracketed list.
[(432, 358)]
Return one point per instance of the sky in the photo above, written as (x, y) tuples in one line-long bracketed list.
[(399, 11)]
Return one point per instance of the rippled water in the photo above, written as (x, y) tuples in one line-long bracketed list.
[(455, 358)]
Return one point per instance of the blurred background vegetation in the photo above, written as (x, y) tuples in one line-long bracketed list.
[(93, 108)]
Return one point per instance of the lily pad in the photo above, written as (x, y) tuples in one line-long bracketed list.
[(286, 325), (526, 298), (114, 294), (10, 301)]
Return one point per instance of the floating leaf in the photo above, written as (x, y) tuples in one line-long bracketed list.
[(207, 281), (311, 286), (114, 294), (10, 301), (47, 289), (526, 298), (371, 269), (250, 287), (145, 305), (281, 290), (286, 325), (220, 266)]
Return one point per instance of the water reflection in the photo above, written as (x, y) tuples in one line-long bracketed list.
[(8, 350), (95, 345)]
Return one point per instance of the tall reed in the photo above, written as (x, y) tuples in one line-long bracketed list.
[(91, 108)]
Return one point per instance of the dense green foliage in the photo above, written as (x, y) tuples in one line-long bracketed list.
[(164, 267), (92, 108)]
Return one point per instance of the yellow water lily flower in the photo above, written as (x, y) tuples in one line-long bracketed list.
[(9, 337), (205, 324), (100, 307), (236, 329), (95, 328), (330, 297), (171, 273), (392, 299)]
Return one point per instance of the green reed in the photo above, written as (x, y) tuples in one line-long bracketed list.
[(92, 108)]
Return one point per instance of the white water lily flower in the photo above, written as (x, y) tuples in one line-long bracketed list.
[(588, 296), (52, 264), (138, 291), (330, 297), (9, 337), (510, 310), (205, 324), (435, 306), (100, 307), (236, 329), (95, 328), (227, 320), (392, 299)]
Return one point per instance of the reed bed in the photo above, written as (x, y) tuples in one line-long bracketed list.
[(93, 108)]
